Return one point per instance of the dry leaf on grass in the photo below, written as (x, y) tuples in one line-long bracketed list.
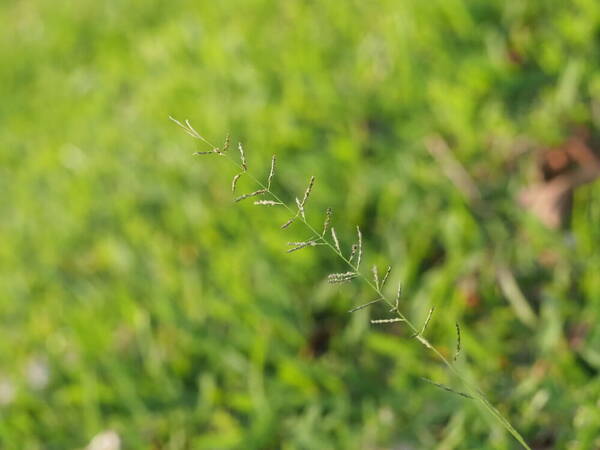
[(562, 170)]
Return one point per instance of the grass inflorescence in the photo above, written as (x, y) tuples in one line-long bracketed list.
[(352, 261)]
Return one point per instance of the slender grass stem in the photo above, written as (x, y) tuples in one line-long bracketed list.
[(472, 389)]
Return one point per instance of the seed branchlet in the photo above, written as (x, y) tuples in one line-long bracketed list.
[(457, 342), (375, 276), (300, 203), (267, 203), (289, 222), (309, 188), (366, 305), (225, 145), (251, 194), (242, 157), (300, 208), (336, 242), (301, 245), (234, 182), (352, 252), (446, 388), (243, 164), (397, 301), (394, 320), (341, 277), (420, 333), (385, 277), (271, 172), (359, 255), (327, 222)]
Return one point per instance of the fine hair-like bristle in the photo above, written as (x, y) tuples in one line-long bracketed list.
[(446, 388), (372, 302)]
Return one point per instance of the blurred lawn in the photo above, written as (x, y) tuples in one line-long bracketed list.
[(135, 297)]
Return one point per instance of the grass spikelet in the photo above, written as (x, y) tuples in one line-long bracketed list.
[(267, 203), (301, 245), (341, 277), (375, 276), (420, 333), (271, 172), (327, 222), (251, 194), (393, 320), (366, 305), (311, 183), (206, 153), (243, 157), (225, 145), (289, 222), (385, 277), (352, 252), (300, 208), (359, 256), (397, 301), (446, 388), (234, 182), (457, 342), (335, 240)]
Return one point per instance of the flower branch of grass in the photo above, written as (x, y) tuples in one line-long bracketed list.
[(473, 392)]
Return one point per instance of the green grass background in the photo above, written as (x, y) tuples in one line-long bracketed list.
[(157, 308)]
